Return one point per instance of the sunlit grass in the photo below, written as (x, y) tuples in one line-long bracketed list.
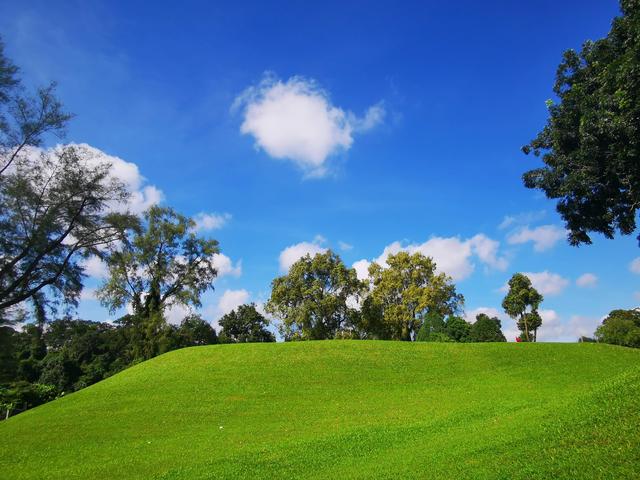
[(344, 409)]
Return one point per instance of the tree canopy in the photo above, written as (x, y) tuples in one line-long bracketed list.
[(591, 143), (486, 329), (408, 288), (312, 299), (621, 327), (243, 325)]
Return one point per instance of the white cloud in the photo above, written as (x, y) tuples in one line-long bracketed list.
[(176, 313), (210, 221), (295, 120), (293, 253), (230, 300), (587, 280), (524, 218), (362, 269), (142, 196), (452, 255), (543, 237), (95, 268), (553, 329), (225, 266), (344, 246), (547, 283), (634, 266)]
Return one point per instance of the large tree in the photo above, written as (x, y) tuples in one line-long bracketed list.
[(486, 329), (161, 264), (591, 143), (245, 324), (408, 288), (521, 303), (55, 206), (621, 327), (312, 300)]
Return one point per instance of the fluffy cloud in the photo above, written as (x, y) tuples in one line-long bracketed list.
[(452, 255), (553, 329), (95, 268), (295, 120), (547, 283), (634, 266), (362, 269), (293, 253), (142, 196), (587, 280), (225, 266), (210, 221), (543, 237), (230, 300)]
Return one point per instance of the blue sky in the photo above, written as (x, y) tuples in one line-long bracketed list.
[(343, 125)]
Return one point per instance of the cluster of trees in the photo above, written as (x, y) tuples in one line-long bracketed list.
[(59, 207), (320, 298), (39, 364), (406, 299)]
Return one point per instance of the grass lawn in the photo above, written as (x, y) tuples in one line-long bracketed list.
[(344, 409)]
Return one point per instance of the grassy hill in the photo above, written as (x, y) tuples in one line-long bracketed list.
[(344, 409)]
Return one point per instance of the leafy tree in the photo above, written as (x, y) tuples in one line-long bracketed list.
[(440, 337), (591, 143), (194, 330), (532, 321), (621, 327), (457, 328), (409, 288), (432, 323), (55, 204), (521, 303), (312, 300), (162, 263), (486, 329), (243, 325)]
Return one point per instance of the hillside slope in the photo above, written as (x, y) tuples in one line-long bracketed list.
[(344, 409)]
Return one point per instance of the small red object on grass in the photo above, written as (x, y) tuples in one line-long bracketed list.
[(518, 339)]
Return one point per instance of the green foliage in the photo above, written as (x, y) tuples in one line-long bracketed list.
[(162, 263), (521, 303), (621, 327), (244, 325), (406, 290), (432, 323), (457, 329), (344, 409), (194, 331), (311, 300), (486, 329), (56, 204), (591, 143)]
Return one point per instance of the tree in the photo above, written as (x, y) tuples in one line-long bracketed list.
[(621, 327), (408, 289), (432, 323), (591, 143), (55, 205), (194, 330), (162, 263), (245, 325), (457, 328), (312, 300), (486, 329), (521, 303)]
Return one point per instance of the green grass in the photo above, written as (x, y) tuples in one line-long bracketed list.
[(344, 409)]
